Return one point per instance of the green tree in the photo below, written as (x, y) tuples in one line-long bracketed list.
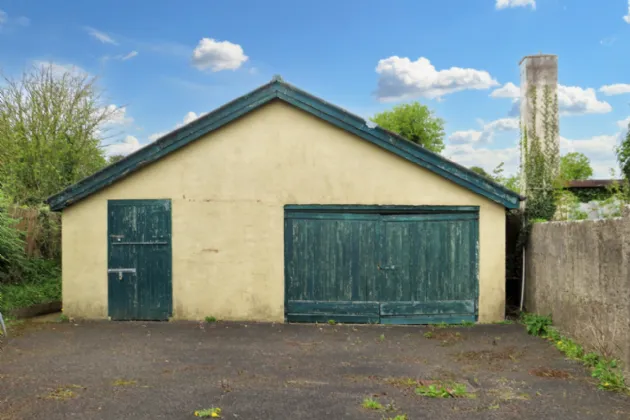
[(623, 156), (416, 123), (114, 158), (575, 166), (51, 126), (480, 171)]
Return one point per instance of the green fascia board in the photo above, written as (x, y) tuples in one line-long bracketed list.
[(277, 89)]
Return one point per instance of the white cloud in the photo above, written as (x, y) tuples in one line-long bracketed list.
[(59, 69), (20, 21), (132, 54), (623, 124), (599, 149), (572, 100), (616, 89), (508, 90), (188, 118), (627, 17), (129, 145), (488, 159), (120, 57), (504, 4), (118, 115), (218, 55), (401, 78), (101, 36), (486, 134), (465, 137)]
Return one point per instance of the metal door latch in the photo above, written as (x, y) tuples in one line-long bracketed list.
[(120, 271), (386, 267)]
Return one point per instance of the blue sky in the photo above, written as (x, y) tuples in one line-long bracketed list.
[(167, 62)]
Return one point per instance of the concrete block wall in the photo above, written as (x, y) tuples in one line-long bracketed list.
[(579, 273)]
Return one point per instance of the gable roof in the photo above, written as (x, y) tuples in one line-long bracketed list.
[(277, 89)]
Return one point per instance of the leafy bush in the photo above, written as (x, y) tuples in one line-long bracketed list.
[(536, 324), (12, 256), (42, 284)]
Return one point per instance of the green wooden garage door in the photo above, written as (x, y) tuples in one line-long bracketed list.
[(393, 265)]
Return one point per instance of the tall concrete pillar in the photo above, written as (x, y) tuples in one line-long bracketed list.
[(539, 108)]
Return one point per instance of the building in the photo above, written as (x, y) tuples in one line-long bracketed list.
[(280, 206)]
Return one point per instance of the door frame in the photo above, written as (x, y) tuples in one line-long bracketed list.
[(120, 202), (382, 210)]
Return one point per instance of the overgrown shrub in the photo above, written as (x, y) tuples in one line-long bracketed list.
[(12, 256)]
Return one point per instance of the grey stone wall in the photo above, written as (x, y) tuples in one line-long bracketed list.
[(579, 273)]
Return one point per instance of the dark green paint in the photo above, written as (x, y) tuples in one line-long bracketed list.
[(339, 308), (278, 89), (338, 318), (139, 237), (407, 266), (430, 319), (428, 308)]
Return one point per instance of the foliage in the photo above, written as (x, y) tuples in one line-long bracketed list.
[(606, 371), (428, 334), (586, 195), (416, 123), (331, 322), (536, 324), (51, 125), (623, 156), (512, 182), (114, 158), (210, 319), (42, 283), (444, 390), (214, 412), (575, 166), (541, 159), (12, 256), (568, 207), (480, 171), (372, 404), (399, 417)]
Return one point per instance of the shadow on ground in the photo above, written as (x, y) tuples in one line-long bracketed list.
[(110, 370)]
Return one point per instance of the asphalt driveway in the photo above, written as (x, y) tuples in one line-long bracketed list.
[(110, 370)]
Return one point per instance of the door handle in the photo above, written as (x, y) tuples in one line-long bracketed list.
[(386, 267), (120, 271)]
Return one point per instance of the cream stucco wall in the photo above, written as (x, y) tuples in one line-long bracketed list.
[(228, 191)]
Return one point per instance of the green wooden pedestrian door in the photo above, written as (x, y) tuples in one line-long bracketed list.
[(139, 259), (394, 265)]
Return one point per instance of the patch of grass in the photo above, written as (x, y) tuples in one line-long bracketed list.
[(371, 404), (468, 324), (64, 318), (214, 412), (42, 284), (606, 371), (428, 334), (63, 393), (331, 322), (609, 376), (124, 382), (381, 338), (442, 325), (550, 373), (399, 417), (444, 390), (210, 319)]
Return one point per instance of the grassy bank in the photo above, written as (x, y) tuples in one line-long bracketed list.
[(42, 283)]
